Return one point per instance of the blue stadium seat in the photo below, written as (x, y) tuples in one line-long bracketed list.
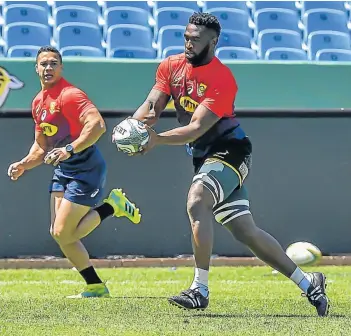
[(126, 15), (285, 54), (275, 19), (234, 19), (236, 53), (78, 34), (26, 33), (278, 38), (169, 51), (138, 4), (324, 19), (333, 55), (193, 5), (128, 35), (82, 51), (23, 51), (170, 36), (75, 14), (308, 5), (232, 38), (43, 4), (172, 16), (133, 52), (257, 5), (225, 4), (89, 4), (25, 13), (327, 40)]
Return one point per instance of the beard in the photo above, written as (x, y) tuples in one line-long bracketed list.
[(198, 59)]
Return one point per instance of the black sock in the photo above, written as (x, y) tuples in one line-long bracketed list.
[(90, 276), (104, 210)]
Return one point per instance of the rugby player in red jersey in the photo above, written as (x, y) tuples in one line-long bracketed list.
[(67, 126), (204, 91)]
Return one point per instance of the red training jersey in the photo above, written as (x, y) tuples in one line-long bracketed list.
[(212, 85), (57, 111)]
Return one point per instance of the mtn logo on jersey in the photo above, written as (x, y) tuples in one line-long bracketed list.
[(188, 104), (48, 129), (7, 82)]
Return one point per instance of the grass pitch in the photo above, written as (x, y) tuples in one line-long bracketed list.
[(244, 301)]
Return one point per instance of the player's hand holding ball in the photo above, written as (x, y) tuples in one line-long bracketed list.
[(133, 137), (15, 170)]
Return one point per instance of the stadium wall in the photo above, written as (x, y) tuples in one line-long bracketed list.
[(123, 85), (299, 187)]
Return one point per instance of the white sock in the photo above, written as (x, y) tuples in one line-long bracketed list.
[(200, 281), (302, 279)]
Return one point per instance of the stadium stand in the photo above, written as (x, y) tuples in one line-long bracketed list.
[(251, 30)]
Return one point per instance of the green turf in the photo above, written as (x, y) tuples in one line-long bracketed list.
[(244, 301)]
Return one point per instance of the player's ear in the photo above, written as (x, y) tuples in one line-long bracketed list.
[(36, 69)]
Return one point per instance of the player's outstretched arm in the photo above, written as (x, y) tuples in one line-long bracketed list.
[(34, 158), (150, 111), (203, 119)]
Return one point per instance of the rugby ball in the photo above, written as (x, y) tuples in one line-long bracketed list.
[(130, 135), (304, 253)]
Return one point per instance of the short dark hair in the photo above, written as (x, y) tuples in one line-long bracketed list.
[(206, 19), (49, 49)]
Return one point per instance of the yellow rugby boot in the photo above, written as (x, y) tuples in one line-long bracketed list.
[(122, 206), (92, 291)]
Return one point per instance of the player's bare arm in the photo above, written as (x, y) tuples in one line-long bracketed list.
[(150, 111), (94, 128), (202, 120), (34, 158)]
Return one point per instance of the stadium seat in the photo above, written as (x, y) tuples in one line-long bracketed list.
[(26, 33), (277, 38), (327, 40), (257, 5), (78, 34), (170, 36), (23, 51), (193, 5), (234, 19), (333, 55), (285, 54), (225, 4), (128, 35), (126, 15), (43, 4), (138, 4), (82, 51), (324, 19), (75, 14), (308, 5), (275, 19), (174, 16), (169, 51), (25, 13), (233, 53), (89, 4), (232, 38), (133, 52)]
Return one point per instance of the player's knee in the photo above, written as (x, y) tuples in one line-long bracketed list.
[(199, 199), (62, 237)]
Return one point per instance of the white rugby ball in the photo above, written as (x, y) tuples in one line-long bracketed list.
[(130, 135), (304, 253)]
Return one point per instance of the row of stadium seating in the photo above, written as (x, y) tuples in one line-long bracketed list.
[(283, 30)]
